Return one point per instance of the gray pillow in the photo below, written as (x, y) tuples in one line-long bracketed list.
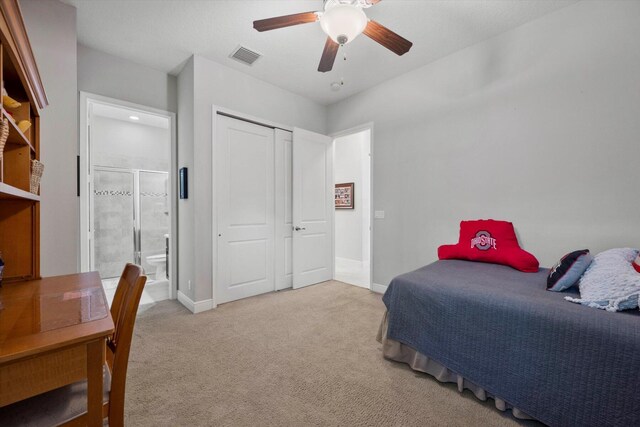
[(568, 270), (610, 283)]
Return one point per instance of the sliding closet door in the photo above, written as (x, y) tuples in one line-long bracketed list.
[(245, 208), (313, 207), (284, 209)]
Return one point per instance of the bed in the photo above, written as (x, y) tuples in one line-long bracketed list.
[(499, 333)]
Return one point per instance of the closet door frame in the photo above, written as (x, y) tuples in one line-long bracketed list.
[(214, 186)]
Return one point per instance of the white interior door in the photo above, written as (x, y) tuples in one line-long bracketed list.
[(313, 207), (245, 195), (284, 220)]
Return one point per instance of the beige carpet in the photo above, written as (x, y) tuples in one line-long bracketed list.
[(292, 358)]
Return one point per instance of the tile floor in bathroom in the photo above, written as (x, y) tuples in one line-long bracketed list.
[(154, 291)]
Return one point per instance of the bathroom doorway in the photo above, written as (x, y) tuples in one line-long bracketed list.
[(126, 207)]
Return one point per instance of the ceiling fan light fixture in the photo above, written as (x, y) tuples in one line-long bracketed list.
[(343, 22)]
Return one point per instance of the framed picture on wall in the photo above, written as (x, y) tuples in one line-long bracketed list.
[(344, 196)]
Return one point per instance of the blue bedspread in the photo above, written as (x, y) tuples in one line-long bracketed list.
[(562, 363)]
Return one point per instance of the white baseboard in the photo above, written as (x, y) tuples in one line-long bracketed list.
[(195, 307), (378, 288)]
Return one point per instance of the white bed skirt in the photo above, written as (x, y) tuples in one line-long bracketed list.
[(399, 352)]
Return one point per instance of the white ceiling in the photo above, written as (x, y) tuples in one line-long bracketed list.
[(163, 34)]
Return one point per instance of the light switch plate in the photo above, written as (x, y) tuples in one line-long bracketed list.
[(378, 214)]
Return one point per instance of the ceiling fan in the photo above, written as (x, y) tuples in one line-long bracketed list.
[(342, 21)]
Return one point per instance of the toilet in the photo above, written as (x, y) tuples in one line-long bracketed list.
[(159, 262)]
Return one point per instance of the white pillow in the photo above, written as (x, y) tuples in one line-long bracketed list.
[(610, 283)]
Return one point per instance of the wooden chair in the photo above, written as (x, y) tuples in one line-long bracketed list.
[(68, 405)]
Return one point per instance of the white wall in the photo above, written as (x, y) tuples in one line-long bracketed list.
[(186, 233), (538, 126), (107, 75), (351, 154), (216, 84), (51, 26), (118, 143)]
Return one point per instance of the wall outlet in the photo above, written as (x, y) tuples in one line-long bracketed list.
[(378, 214), (189, 284)]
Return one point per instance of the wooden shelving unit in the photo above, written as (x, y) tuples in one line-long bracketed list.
[(19, 208)]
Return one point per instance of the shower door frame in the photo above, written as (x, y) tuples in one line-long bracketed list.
[(85, 182), (135, 219), (137, 215)]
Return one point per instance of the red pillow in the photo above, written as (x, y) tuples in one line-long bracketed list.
[(636, 264), (486, 240)]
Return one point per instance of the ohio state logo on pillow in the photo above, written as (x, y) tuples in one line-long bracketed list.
[(483, 241), (636, 264), (489, 241)]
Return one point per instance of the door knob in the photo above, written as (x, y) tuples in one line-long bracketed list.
[(299, 228)]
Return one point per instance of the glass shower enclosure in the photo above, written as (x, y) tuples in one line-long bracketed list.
[(130, 210)]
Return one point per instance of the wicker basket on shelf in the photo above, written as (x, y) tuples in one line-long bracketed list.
[(4, 134), (36, 173)]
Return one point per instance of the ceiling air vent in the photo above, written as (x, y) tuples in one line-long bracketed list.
[(244, 55)]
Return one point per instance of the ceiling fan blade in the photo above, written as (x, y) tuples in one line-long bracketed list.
[(387, 38), (328, 55), (285, 21)]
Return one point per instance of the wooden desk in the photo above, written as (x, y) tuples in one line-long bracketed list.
[(52, 333)]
